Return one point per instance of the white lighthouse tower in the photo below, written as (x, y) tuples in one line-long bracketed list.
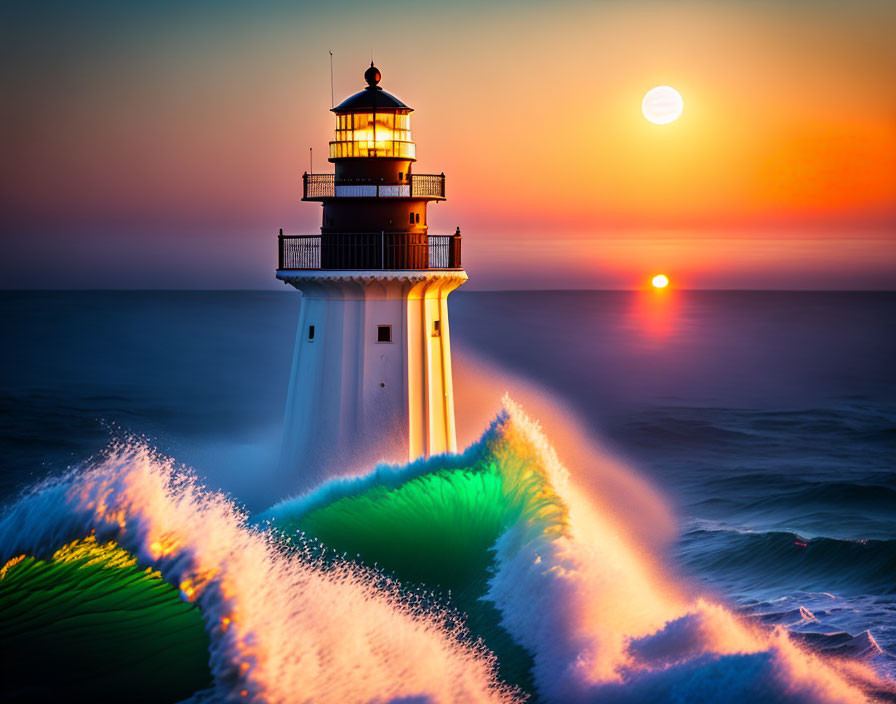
[(371, 373)]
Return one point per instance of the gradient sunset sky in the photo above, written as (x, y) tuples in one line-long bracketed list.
[(162, 146)]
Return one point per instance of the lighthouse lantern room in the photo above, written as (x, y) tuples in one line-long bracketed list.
[(371, 374)]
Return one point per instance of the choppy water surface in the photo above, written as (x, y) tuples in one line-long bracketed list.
[(765, 423)]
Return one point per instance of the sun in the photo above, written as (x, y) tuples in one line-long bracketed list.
[(662, 105), (660, 281)]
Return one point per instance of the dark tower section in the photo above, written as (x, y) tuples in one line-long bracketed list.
[(374, 205)]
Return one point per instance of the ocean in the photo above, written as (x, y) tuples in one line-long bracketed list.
[(749, 438)]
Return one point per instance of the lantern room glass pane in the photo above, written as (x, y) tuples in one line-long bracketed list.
[(364, 134)]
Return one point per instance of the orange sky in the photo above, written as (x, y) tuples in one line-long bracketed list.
[(166, 139)]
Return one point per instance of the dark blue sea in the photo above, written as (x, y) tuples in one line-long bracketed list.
[(767, 420)]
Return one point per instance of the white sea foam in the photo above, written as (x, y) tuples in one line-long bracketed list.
[(605, 622), (283, 629), (603, 619)]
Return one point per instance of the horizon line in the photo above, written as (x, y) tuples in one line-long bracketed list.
[(474, 290)]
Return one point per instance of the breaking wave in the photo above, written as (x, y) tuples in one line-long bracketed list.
[(282, 626), (489, 576)]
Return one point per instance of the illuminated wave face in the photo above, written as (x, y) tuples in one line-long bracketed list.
[(490, 576), (279, 624), (89, 620), (434, 525), (575, 609)]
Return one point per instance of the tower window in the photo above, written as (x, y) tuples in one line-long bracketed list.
[(384, 333), (412, 218), (310, 332), (417, 217), (436, 328), (401, 175)]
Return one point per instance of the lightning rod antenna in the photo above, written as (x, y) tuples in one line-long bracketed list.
[(332, 92)]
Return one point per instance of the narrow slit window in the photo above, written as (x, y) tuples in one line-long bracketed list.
[(436, 328), (412, 218), (310, 332), (384, 333), (417, 217)]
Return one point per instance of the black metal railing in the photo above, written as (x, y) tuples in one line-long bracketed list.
[(440, 251), (319, 186), (370, 250), (299, 252)]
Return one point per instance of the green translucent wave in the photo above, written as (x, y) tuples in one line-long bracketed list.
[(89, 624), (436, 529)]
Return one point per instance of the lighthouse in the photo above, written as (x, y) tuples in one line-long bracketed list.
[(371, 372)]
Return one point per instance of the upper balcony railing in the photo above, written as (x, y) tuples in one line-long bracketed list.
[(324, 186), (369, 251)]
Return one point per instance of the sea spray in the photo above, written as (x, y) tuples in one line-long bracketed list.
[(589, 605), (615, 487), (596, 612), (555, 585), (282, 627)]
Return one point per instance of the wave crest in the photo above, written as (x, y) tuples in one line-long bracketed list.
[(576, 608), (599, 615), (282, 626)]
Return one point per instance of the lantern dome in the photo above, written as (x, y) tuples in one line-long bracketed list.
[(372, 97), (372, 123)]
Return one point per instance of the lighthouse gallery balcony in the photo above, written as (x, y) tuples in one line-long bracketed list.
[(326, 186), (369, 251)]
